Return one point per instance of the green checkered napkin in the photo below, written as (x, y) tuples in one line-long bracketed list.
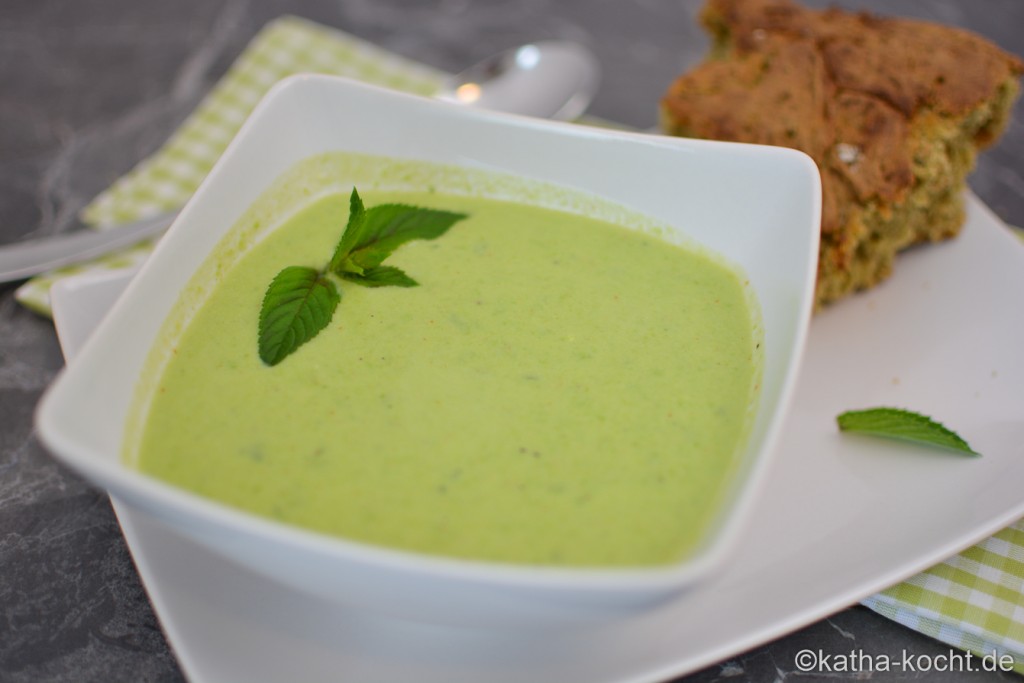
[(974, 600), (167, 179)]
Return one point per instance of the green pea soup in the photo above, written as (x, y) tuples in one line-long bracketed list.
[(560, 389)]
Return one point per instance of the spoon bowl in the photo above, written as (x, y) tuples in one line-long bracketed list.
[(546, 79)]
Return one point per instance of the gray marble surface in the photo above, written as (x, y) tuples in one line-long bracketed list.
[(89, 88)]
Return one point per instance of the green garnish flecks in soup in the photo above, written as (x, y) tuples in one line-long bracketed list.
[(558, 391)]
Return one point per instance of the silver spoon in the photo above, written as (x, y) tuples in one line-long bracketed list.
[(551, 79)]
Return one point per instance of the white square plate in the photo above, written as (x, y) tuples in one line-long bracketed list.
[(840, 517)]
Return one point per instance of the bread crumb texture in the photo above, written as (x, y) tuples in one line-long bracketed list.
[(893, 111)]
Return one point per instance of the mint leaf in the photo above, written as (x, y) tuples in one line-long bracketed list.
[(373, 234), (299, 303), (381, 276), (353, 231), (896, 423)]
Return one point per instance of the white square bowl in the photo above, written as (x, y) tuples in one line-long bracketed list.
[(756, 206)]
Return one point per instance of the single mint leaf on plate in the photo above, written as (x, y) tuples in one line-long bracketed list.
[(381, 276), (299, 302), (897, 423)]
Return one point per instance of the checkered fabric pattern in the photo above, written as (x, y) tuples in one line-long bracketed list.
[(166, 180), (974, 600)]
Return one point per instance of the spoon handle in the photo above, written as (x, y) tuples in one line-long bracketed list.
[(21, 260), (549, 79)]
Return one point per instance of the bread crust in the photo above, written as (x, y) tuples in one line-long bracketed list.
[(892, 110)]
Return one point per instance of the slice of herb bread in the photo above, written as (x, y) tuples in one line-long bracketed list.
[(892, 110)]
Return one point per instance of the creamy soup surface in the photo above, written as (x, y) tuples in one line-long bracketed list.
[(557, 391)]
